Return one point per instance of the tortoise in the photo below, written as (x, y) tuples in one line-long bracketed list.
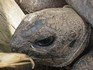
[(54, 37)]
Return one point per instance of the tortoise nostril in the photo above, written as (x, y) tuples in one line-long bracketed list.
[(45, 42)]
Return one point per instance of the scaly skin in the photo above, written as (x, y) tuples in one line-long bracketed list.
[(53, 37)]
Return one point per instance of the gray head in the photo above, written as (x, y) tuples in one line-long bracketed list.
[(52, 37)]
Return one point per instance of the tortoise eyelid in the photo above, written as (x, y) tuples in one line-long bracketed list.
[(45, 42)]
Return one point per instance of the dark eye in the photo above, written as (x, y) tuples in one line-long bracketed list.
[(45, 42)]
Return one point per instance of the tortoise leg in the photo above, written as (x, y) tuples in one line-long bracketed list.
[(85, 62)]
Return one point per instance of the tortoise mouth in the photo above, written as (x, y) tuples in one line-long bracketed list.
[(55, 62)]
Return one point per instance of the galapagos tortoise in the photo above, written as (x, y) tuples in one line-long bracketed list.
[(54, 37)]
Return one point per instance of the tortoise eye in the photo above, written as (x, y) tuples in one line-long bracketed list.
[(45, 42)]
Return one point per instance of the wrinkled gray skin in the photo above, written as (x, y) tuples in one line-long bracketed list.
[(63, 32), (85, 63), (84, 8), (36, 5)]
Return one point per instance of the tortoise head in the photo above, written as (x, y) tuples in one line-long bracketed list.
[(52, 37)]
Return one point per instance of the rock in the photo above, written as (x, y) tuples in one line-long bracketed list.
[(36, 5), (84, 8)]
